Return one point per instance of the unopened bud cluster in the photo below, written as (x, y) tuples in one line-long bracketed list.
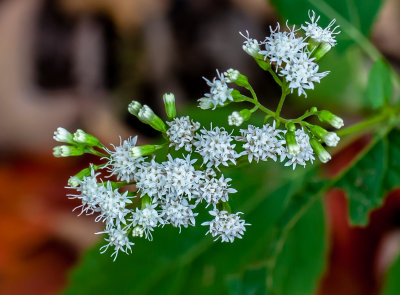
[(138, 188)]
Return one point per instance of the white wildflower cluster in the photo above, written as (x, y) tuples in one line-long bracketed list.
[(181, 132), (139, 188), (293, 53)]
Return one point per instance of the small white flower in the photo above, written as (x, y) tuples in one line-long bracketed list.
[(251, 46), (178, 213), (122, 163), (214, 190), (219, 92), (91, 193), (226, 226), (215, 147), (137, 231), (312, 30), (118, 238), (262, 143), (147, 218), (181, 132), (280, 47), (180, 177), (305, 154), (150, 179), (301, 72), (112, 206), (231, 75), (235, 119), (331, 139)]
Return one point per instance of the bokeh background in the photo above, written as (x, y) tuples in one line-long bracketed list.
[(78, 63)]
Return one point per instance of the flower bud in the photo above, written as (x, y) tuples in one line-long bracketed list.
[(143, 150), (322, 154), (81, 136), (134, 107), (291, 144), (67, 151), (147, 116), (205, 103), (73, 182), (63, 135), (231, 75), (251, 47), (330, 138), (333, 120), (169, 103), (235, 119), (291, 127), (320, 52)]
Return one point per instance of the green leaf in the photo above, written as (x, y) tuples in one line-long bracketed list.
[(391, 285), (363, 183), (374, 174), (251, 283), (380, 87), (360, 14)]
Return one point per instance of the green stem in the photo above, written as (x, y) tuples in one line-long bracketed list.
[(367, 124), (253, 93), (97, 153), (281, 101), (301, 118)]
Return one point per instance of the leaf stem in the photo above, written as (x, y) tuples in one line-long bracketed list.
[(281, 101), (371, 122)]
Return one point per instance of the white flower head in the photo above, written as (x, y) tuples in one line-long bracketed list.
[(226, 226), (178, 213), (302, 72), (112, 206), (215, 147), (305, 153), (91, 193), (262, 143), (150, 179), (250, 46), (312, 30), (122, 163), (213, 190), (235, 119), (118, 238), (219, 94), (280, 47), (181, 132), (147, 218), (181, 178)]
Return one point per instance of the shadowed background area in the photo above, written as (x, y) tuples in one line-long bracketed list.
[(78, 64)]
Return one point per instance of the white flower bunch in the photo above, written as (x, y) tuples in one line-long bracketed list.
[(139, 188)]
